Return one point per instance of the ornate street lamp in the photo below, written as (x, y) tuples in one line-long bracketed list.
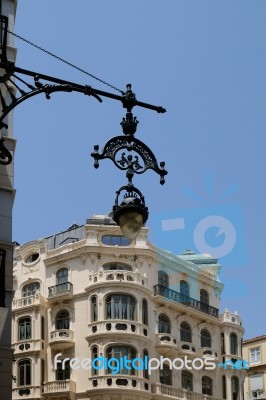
[(132, 213), (127, 152)]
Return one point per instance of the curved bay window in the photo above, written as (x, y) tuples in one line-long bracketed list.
[(187, 380), (30, 289), (166, 375), (62, 276), (184, 288), (164, 324), (163, 279), (207, 385), (233, 344), (94, 309), (24, 328), (120, 306), (62, 320), (24, 372), (205, 338), (185, 332), (116, 267), (145, 312), (119, 352), (235, 387)]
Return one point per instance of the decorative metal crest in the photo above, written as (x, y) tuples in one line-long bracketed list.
[(145, 159)]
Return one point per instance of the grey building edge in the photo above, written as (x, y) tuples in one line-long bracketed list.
[(7, 195)]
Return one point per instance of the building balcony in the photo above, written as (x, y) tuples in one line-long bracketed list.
[(166, 343), (177, 297), (186, 348), (26, 392), (118, 382), (61, 339), (208, 352), (30, 301), (28, 346), (118, 327), (59, 389), (64, 290), (112, 277), (178, 393)]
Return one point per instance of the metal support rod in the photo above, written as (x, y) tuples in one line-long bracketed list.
[(98, 92)]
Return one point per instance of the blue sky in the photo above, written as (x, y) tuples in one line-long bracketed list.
[(205, 62)]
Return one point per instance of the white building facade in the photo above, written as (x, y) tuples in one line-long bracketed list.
[(254, 351), (90, 293)]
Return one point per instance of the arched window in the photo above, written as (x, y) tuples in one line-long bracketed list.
[(204, 300), (24, 372), (63, 371), (204, 296), (205, 338), (24, 328), (62, 320), (62, 276), (94, 355), (119, 352), (144, 312), (166, 375), (207, 385), (145, 357), (235, 387), (116, 267), (222, 344), (163, 279), (224, 387), (164, 324), (185, 332), (184, 289), (233, 344), (120, 306), (30, 289), (94, 310), (187, 381)]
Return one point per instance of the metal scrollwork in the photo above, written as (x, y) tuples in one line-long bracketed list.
[(5, 155), (126, 162)]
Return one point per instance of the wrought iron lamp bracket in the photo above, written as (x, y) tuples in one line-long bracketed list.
[(13, 80)]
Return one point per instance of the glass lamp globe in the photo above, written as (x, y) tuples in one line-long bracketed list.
[(131, 215)]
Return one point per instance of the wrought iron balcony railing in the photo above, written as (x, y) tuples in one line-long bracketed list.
[(171, 294), (60, 290)]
